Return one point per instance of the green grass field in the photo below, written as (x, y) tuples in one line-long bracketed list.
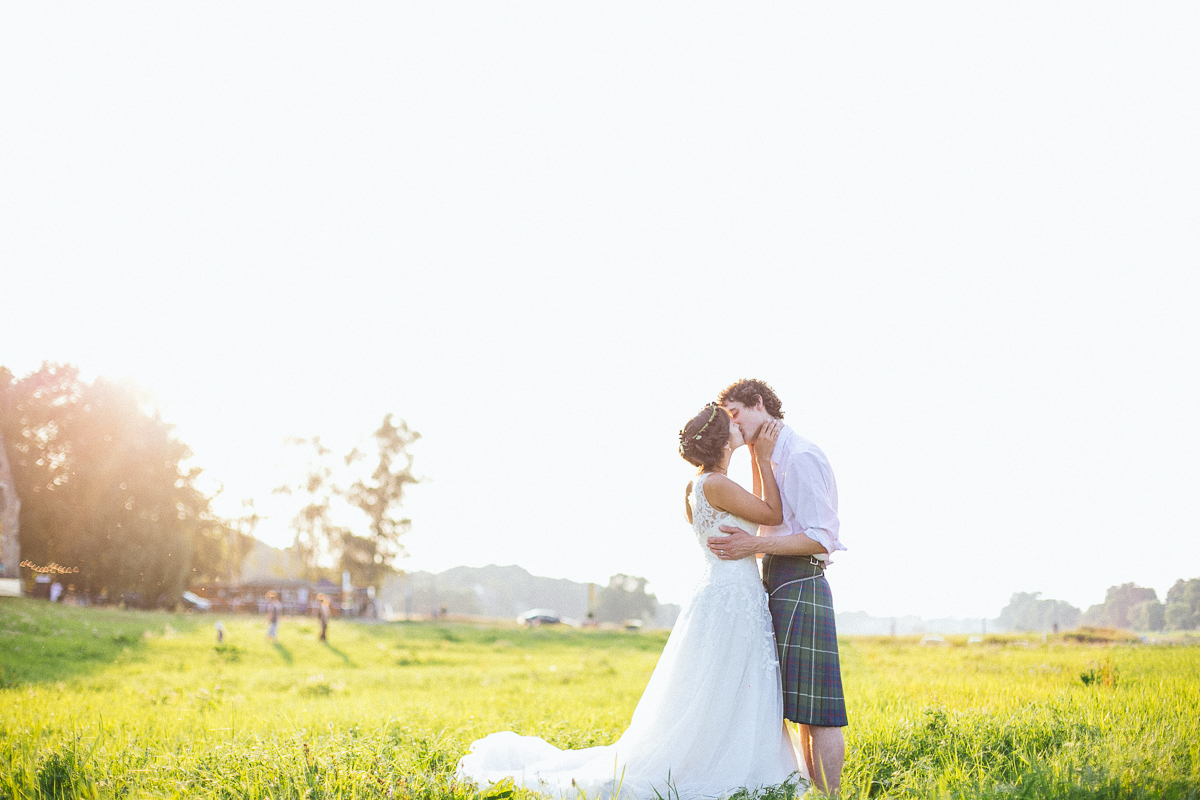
[(106, 703)]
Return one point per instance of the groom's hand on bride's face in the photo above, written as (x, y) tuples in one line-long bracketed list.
[(738, 544)]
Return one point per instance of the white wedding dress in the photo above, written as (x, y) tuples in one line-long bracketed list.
[(710, 721)]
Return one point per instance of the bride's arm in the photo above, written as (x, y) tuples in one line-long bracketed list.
[(726, 495), (687, 503), (757, 473)]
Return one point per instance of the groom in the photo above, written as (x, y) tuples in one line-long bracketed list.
[(795, 556)]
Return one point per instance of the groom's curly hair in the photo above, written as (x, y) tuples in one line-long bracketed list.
[(747, 391), (702, 440)]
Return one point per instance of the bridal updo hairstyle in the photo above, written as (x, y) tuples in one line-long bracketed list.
[(747, 391), (702, 440)]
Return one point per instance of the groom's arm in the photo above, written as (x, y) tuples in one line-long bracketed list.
[(788, 544), (740, 544), (806, 491)]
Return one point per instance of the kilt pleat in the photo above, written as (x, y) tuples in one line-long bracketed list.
[(806, 636)]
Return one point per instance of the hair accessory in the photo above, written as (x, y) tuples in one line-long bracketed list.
[(711, 417)]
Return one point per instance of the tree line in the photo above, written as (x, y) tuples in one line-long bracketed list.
[(1128, 606), (104, 487), (506, 591), (1138, 608)]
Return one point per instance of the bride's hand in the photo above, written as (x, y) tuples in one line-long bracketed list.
[(735, 436), (764, 445)]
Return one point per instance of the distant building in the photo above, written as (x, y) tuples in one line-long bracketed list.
[(267, 569), (298, 597), (10, 529)]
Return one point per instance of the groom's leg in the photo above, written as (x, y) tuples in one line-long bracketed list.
[(826, 750)]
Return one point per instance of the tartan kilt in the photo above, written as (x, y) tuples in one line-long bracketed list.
[(806, 636)]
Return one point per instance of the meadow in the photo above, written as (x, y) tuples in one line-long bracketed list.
[(108, 703)]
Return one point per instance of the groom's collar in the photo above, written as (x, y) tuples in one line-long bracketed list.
[(782, 444)]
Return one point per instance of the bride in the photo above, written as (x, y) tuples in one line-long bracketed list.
[(711, 719)]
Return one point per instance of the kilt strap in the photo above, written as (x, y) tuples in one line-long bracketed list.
[(790, 583)]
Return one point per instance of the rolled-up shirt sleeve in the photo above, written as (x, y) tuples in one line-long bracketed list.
[(810, 486)]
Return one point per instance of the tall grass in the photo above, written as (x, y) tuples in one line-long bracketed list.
[(1012, 721), (130, 704)]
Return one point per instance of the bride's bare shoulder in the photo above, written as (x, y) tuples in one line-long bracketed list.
[(717, 486)]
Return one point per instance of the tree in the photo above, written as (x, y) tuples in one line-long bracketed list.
[(625, 598), (102, 485), (1118, 608), (1182, 611), (241, 540), (1026, 611), (220, 546), (321, 540), (1148, 616), (317, 535), (379, 497)]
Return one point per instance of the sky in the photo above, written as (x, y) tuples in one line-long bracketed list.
[(960, 241)]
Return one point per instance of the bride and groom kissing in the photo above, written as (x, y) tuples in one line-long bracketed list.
[(748, 689)]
